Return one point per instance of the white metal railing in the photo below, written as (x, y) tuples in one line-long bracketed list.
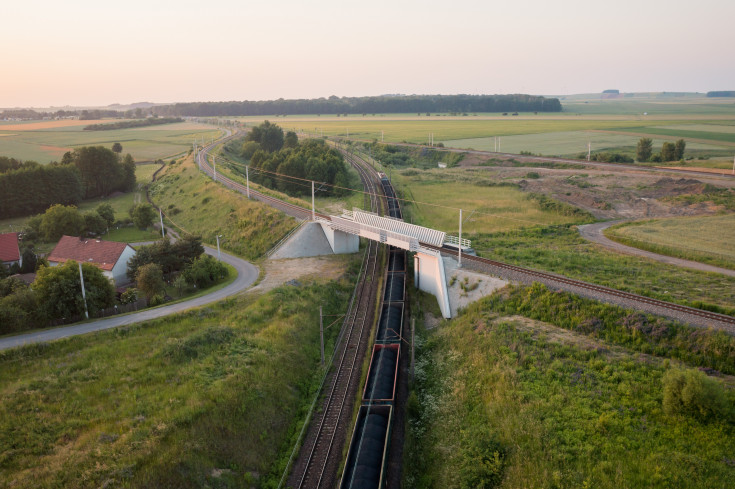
[(454, 240)]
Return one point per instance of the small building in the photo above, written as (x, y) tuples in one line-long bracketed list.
[(9, 250), (109, 256)]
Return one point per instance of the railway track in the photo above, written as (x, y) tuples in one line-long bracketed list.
[(321, 452), (692, 315), (598, 291)]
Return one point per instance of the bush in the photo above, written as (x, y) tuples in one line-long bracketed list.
[(129, 296), (691, 392), (482, 461), (205, 271)]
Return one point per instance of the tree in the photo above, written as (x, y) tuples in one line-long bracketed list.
[(94, 223), (149, 280), (645, 149), (249, 148), (270, 136), (117, 148), (291, 140), (30, 261), (59, 220), (143, 215), (60, 293), (100, 169), (107, 213), (668, 152), (205, 271), (680, 146), (691, 392), (128, 171)]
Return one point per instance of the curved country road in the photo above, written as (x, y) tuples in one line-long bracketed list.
[(593, 232), (247, 273)]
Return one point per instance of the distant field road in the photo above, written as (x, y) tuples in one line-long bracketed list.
[(593, 232), (247, 274)]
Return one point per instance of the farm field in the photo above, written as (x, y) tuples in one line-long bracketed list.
[(708, 239), (148, 143), (510, 400), (212, 397), (566, 143), (487, 207)]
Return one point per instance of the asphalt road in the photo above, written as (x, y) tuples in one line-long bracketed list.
[(247, 273)]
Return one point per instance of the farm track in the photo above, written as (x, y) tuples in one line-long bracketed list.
[(321, 453)]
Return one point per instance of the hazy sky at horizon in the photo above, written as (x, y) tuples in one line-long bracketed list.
[(93, 53)]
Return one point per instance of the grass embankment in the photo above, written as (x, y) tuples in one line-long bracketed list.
[(488, 206), (504, 401), (704, 239), (198, 205), (560, 249), (209, 398)]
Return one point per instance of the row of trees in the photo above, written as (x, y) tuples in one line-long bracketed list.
[(367, 105), (88, 172), (310, 160), (150, 121), (669, 151)]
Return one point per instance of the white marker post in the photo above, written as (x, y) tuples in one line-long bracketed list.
[(460, 239), (84, 295)]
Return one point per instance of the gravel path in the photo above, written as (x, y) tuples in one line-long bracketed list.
[(593, 232)]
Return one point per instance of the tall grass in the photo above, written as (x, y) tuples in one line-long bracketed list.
[(524, 404), (212, 397)]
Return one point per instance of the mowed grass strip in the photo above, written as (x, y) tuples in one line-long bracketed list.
[(707, 239), (487, 207), (196, 204), (209, 398)]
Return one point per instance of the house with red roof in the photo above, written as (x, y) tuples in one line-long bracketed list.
[(9, 251), (109, 256)]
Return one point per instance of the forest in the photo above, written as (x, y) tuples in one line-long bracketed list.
[(383, 104)]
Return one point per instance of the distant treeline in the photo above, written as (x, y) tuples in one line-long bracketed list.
[(28, 188), (722, 93), (151, 121), (84, 115), (367, 105)]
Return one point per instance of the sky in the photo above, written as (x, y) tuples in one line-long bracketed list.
[(95, 53)]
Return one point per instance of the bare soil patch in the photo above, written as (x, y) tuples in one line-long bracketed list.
[(278, 272)]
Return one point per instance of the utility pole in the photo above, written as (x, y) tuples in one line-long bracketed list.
[(247, 180), (313, 213), (160, 214), (321, 334), (382, 136), (219, 255), (460, 239), (496, 143), (84, 294), (589, 150), (413, 344)]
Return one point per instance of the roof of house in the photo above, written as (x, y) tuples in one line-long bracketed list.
[(9, 247), (104, 254)]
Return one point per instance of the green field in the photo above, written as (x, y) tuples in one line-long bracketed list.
[(709, 239), (213, 397), (487, 207), (506, 401), (144, 144), (568, 143)]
